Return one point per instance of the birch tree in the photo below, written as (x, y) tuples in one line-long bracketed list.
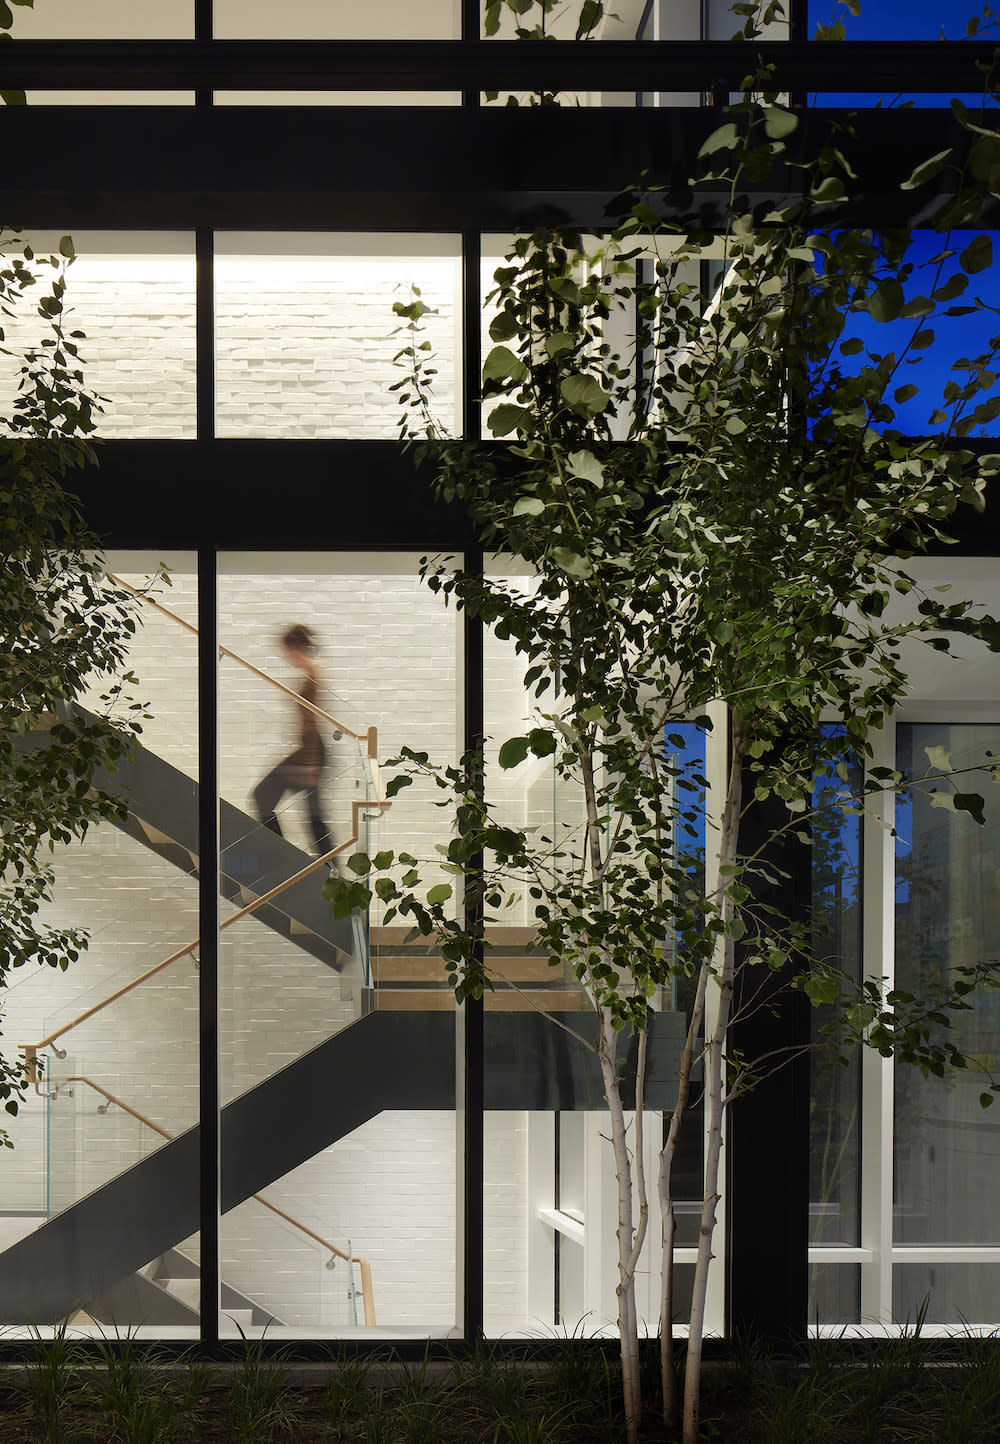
[(734, 556)]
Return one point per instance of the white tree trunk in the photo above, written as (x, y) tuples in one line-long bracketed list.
[(629, 1240), (714, 1083), (668, 1220)]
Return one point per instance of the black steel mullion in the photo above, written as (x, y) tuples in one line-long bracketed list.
[(208, 919), (472, 314), (203, 30), (208, 818), (470, 21), (798, 30), (473, 1252)]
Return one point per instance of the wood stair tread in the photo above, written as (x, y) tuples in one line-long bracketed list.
[(504, 1000)]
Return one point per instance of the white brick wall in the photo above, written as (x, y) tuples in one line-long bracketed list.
[(137, 310), (305, 332), (305, 342)]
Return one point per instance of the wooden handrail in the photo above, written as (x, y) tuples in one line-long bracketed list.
[(367, 1292), (31, 1050), (366, 736)]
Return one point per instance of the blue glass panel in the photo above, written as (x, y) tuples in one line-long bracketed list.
[(889, 20), (954, 336)]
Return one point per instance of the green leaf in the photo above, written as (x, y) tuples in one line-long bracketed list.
[(528, 506), (382, 860), (397, 784), (13, 97), (986, 1100), (506, 418), (905, 393), (886, 301), (945, 800), (954, 286), (503, 327), (584, 393), (778, 122), (572, 562), (559, 342), (939, 757), (513, 752), (972, 803), (66, 247), (501, 363), (586, 466), (830, 189), (926, 171), (541, 742), (722, 139), (977, 255), (439, 894), (360, 863), (820, 990)]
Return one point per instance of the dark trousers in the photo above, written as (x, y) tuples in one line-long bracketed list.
[(272, 788)]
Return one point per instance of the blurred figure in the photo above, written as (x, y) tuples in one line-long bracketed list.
[(301, 770)]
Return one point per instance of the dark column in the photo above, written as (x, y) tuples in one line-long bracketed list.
[(767, 1141)]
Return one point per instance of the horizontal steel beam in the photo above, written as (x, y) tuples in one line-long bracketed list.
[(429, 65), (357, 496), (290, 168)]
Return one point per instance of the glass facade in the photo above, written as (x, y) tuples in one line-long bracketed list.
[(132, 294), (117, 1035), (306, 334), (314, 1006), (345, 1170)]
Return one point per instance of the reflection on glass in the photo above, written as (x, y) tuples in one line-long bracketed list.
[(94, 1179), (947, 916), (948, 1293), (343, 1073), (834, 1294), (835, 1091)]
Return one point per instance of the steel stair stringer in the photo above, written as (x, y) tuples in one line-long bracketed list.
[(383, 1061), (162, 806)]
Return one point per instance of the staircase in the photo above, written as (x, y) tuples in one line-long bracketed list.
[(412, 975), (87, 1250), (114, 1255), (163, 815)]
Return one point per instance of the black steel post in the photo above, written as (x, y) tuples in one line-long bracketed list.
[(208, 818), (472, 742)]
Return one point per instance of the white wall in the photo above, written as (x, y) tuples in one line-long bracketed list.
[(305, 330)]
